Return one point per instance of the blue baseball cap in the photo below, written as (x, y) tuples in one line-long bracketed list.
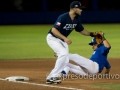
[(76, 4), (93, 41)]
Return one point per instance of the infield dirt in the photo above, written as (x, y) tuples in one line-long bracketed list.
[(36, 70)]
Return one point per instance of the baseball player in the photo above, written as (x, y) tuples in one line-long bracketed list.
[(95, 64), (57, 38)]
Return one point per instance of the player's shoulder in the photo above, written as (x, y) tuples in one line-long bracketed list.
[(78, 18), (102, 47)]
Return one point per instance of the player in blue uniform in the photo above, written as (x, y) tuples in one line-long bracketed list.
[(58, 40), (95, 64)]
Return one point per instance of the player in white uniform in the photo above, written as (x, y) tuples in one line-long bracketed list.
[(58, 40), (91, 66)]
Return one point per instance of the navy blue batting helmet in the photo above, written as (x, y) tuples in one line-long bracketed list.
[(93, 41)]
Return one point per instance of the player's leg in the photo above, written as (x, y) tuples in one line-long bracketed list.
[(61, 48), (90, 66), (74, 69)]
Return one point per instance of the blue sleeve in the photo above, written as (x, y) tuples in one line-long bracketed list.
[(107, 65), (79, 26), (104, 50), (59, 23)]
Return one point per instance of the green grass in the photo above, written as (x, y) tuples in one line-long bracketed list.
[(108, 86), (29, 41)]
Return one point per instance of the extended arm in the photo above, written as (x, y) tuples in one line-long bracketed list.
[(106, 43), (87, 33)]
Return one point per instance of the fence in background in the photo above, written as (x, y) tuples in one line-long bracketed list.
[(50, 17)]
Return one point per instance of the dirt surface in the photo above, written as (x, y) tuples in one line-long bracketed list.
[(36, 71)]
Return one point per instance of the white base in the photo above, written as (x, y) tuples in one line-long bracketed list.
[(17, 78)]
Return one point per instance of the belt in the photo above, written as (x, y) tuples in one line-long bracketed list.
[(55, 36)]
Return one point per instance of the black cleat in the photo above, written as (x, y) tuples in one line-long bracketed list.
[(49, 82)]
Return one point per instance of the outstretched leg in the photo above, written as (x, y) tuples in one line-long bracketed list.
[(88, 65), (74, 69)]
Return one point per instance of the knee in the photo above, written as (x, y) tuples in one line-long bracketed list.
[(63, 54), (76, 55), (69, 65)]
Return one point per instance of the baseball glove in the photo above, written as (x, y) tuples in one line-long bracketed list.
[(99, 36)]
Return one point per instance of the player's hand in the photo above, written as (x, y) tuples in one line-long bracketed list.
[(107, 71), (68, 41)]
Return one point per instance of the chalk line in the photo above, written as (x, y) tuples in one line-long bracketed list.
[(46, 85)]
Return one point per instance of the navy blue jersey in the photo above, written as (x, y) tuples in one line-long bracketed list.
[(100, 56), (65, 25)]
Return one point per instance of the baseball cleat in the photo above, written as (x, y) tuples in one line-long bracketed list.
[(48, 82), (53, 80)]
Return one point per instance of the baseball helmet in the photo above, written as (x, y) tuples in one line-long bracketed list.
[(93, 41)]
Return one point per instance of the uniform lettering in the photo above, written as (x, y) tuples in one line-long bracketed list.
[(69, 26)]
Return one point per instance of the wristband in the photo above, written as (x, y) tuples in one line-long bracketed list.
[(91, 34)]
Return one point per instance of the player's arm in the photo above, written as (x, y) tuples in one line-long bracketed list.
[(79, 28), (57, 26), (86, 33), (107, 66), (106, 43), (107, 71), (59, 35)]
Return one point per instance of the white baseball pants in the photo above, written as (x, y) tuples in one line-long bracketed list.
[(61, 48), (84, 67)]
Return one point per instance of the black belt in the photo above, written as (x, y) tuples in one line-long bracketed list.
[(55, 36)]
